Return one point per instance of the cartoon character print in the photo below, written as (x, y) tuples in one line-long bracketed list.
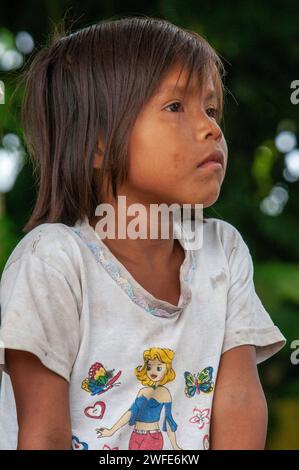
[(200, 417), (99, 379), (145, 412), (200, 382), (78, 445), (206, 442), (96, 411)]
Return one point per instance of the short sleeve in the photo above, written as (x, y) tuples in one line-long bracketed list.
[(247, 321), (39, 313)]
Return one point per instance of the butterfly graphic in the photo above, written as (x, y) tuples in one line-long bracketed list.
[(200, 382), (99, 379)]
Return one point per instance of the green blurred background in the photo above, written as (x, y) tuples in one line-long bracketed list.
[(259, 44)]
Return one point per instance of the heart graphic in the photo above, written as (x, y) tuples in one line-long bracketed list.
[(96, 411), (106, 447), (77, 445)]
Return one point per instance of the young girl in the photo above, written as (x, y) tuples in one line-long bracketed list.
[(129, 108)]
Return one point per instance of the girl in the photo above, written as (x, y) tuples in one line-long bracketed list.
[(132, 109)]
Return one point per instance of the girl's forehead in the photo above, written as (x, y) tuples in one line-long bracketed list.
[(176, 81)]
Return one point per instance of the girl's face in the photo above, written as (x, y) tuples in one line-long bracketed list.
[(155, 370), (170, 138)]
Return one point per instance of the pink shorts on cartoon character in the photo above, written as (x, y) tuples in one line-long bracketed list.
[(147, 441)]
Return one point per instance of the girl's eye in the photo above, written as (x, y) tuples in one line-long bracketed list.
[(173, 104), (159, 369), (212, 112), (148, 368)]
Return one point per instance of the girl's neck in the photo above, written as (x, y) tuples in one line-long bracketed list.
[(157, 254)]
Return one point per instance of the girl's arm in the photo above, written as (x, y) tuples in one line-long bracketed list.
[(239, 414), (42, 402), (123, 420), (107, 432), (172, 437)]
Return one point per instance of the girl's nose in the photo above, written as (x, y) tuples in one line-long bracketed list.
[(209, 129)]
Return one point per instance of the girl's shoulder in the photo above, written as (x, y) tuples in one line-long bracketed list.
[(51, 242), (220, 227), (220, 235), (224, 232)]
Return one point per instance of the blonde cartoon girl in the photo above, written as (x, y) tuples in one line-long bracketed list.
[(146, 410)]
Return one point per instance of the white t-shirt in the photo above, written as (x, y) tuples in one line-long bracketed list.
[(67, 299)]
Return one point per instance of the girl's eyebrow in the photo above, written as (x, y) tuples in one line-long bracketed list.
[(180, 88), (211, 94), (168, 88)]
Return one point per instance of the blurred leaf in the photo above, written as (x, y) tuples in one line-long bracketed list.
[(8, 240)]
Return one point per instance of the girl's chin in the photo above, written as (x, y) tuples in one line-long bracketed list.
[(210, 203), (205, 202)]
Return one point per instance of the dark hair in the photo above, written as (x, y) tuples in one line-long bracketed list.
[(91, 83)]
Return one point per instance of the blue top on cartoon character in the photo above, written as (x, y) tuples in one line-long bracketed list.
[(148, 410)]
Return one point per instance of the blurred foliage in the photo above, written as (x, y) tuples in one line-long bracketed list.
[(258, 42), (8, 239), (277, 286)]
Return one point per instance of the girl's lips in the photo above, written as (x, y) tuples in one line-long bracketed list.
[(214, 157), (211, 164), (153, 376)]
